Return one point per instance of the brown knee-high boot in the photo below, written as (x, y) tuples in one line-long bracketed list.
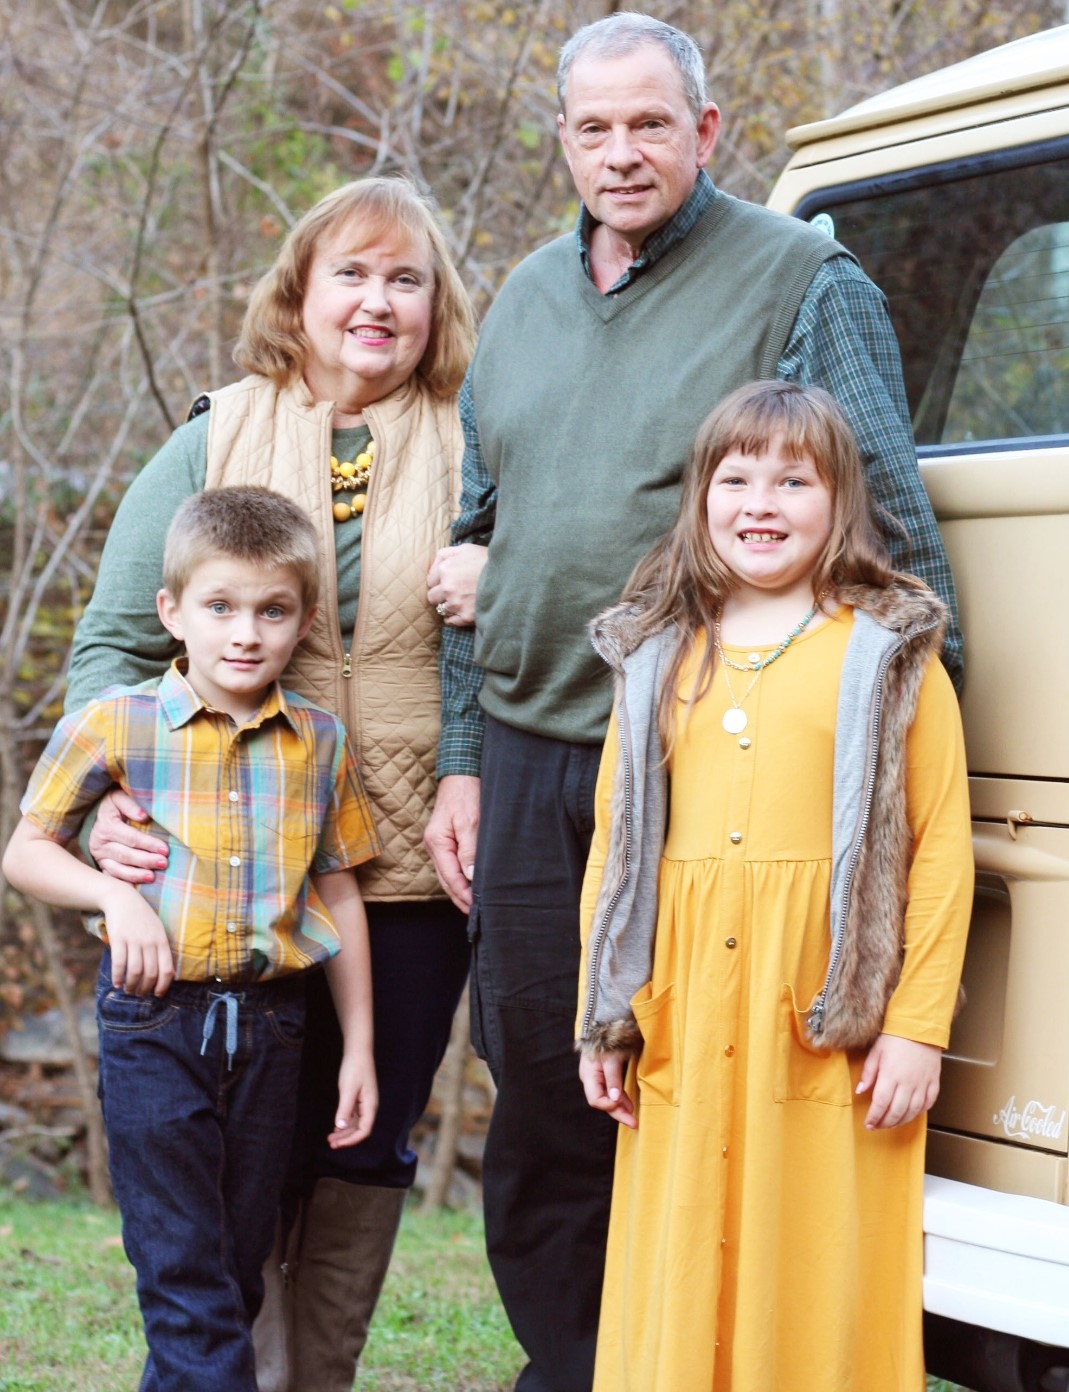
[(347, 1237), (272, 1330)]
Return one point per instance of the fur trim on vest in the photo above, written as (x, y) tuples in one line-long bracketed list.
[(390, 701), (896, 633)]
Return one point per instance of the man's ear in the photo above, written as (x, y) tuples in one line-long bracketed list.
[(708, 132), (167, 608)]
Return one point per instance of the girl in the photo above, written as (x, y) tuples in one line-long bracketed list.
[(774, 917)]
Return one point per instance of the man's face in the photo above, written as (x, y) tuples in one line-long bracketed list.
[(631, 141)]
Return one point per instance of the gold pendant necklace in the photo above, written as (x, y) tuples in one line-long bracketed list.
[(347, 477), (734, 720)]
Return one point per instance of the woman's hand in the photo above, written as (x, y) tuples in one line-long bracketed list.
[(118, 848), (904, 1078), (603, 1082), (452, 581), (358, 1099)]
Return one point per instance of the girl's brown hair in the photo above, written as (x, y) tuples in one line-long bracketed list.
[(272, 340), (682, 583)]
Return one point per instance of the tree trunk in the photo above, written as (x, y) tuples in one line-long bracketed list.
[(96, 1150), (452, 1097)]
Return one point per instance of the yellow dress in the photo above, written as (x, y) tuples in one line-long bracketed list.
[(761, 1240)]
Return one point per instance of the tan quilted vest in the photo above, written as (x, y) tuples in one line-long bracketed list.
[(389, 703)]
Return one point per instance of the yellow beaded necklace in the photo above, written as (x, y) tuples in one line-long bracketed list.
[(348, 476)]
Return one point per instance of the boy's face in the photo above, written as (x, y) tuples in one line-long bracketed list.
[(239, 622)]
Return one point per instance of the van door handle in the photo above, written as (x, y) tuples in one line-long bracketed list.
[(1015, 819)]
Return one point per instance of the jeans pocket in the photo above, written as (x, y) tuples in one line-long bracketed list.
[(287, 1023), (122, 1013), (804, 1073), (657, 1069)]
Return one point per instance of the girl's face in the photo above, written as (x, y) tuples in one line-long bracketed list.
[(770, 517)]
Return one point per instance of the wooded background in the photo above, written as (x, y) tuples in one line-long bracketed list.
[(152, 154)]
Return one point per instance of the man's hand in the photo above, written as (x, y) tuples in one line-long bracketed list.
[(141, 961), (118, 848), (603, 1082), (451, 834), (452, 581), (904, 1078)]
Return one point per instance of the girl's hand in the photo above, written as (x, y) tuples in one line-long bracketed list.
[(118, 848), (358, 1101), (603, 1082), (904, 1078)]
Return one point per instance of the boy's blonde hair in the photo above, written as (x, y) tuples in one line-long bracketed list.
[(247, 523)]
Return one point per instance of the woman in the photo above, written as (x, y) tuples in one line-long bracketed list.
[(355, 343)]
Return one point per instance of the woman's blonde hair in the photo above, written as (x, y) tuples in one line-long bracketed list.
[(273, 341), (682, 583)]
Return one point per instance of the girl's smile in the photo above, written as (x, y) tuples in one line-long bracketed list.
[(770, 518)]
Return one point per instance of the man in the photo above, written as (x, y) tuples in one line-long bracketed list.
[(596, 365)]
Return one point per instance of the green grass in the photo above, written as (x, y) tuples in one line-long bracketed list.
[(69, 1319), (68, 1314)]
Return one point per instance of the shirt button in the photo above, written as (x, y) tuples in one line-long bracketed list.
[(724, 1152), (735, 837), (730, 942), (745, 743), (232, 795), (235, 860), (730, 1051), (231, 927)]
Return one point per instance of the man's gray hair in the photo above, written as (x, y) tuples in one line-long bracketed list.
[(621, 33)]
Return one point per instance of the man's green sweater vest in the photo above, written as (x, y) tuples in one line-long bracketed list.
[(587, 407)]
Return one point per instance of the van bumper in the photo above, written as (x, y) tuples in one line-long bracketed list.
[(997, 1261)]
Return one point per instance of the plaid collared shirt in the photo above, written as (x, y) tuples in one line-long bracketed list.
[(247, 813), (842, 340)]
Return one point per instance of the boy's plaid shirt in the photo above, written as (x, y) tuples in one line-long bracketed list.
[(247, 814)]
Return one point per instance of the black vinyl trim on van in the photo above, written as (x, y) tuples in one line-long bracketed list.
[(946, 171)]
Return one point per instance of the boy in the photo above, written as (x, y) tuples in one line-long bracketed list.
[(200, 1001)]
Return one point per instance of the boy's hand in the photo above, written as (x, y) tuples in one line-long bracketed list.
[(603, 1082), (141, 961), (358, 1101), (904, 1078)]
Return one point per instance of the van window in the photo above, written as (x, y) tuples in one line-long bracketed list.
[(974, 260)]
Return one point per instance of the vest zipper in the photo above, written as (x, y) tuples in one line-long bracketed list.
[(815, 1018), (598, 936), (347, 665)]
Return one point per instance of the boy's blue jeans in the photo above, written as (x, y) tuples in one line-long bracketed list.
[(198, 1145)]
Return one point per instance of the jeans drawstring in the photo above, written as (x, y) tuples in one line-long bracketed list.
[(231, 1001)]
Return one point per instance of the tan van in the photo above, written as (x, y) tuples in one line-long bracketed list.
[(953, 192)]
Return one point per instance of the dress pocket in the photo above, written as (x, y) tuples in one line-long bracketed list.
[(804, 1073), (658, 1063)]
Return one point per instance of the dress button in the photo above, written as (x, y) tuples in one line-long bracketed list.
[(724, 1152), (730, 1051), (730, 942), (231, 927), (235, 860), (735, 837), (232, 795), (745, 743)]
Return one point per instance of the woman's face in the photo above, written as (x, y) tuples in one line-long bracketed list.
[(366, 316)]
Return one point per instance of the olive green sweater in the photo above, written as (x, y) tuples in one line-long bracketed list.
[(579, 502)]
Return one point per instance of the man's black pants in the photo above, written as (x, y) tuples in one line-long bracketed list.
[(547, 1174)]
